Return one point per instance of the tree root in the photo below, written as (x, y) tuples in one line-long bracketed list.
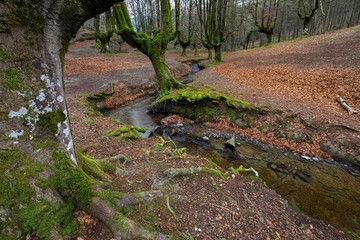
[(174, 172), (141, 197), (121, 226)]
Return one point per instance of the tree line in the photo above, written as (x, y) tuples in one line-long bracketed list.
[(217, 25)]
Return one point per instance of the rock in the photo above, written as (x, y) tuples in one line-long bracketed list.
[(205, 138), (306, 158), (231, 142), (335, 152)]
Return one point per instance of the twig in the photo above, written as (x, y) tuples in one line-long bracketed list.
[(215, 205), (344, 105)]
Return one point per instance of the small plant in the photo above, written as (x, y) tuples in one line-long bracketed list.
[(352, 235), (180, 150), (278, 111)]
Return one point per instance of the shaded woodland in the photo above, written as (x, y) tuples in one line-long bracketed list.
[(236, 24)]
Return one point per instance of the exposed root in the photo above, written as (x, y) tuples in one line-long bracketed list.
[(169, 208), (141, 197), (174, 172), (121, 226)]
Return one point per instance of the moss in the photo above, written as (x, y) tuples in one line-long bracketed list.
[(140, 129), (110, 196), (43, 217), (130, 136), (51, 119), (213, 172), (40, 217), (239, 170), (13, 80), (202, 104), (108, 165), (68, 177), (4, 115), (89, 166), (45, 142), (158, 147), (19, 169), (6, 56)]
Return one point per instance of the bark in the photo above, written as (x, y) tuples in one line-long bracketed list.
[(153, 47), (307, 15), (39, 177), (104, 37)]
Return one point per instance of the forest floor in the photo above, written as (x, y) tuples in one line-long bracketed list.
[(303, 76)]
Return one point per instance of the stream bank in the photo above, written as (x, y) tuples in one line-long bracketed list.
[(318, 187)]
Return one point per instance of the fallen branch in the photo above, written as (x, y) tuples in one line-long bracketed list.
[(344, 105)]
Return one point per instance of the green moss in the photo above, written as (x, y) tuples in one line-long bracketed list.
[(158, 147), (51, 119), (130, 136), (68, 177), (13, 80), (110, 196), (4, 115), (6, 56), (89, 166), (108, 164), (43, 217), (239, 170), (19, 169), (213, 172), (45, 142), (202, 104), (140, 129), (40, 217)]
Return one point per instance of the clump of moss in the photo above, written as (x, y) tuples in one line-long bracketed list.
[(5, 56), (158, 147), (90, 166), (68, 177), (239, 170), (213, 172), (130, 136), (202, 104), (13, 80), (51, 119), (44, 216)]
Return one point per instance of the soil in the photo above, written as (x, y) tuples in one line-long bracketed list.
[(205, 209)]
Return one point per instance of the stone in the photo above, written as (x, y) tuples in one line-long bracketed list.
[(231, 142)]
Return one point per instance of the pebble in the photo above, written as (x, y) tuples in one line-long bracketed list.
[(305, 157), (205, 138), (198, 229), (316, 159)]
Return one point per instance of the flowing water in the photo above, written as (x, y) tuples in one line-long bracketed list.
[(317, 188)]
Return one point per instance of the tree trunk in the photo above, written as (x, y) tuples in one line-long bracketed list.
[(162, 71), (218, 57), (210, 55), (183, 53), (38, 163)]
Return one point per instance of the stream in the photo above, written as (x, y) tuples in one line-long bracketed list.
[(312, 186)]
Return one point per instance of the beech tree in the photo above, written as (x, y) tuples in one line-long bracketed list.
[(40, 178), (265, 13), (153, 47), (212, 14), (181, 39), (306, 13), (105, 36)]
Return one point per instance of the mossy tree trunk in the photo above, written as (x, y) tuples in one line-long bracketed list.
[(105, 36), (40, 182), (184, 43), (212, 14), (153, 47), (307, 15)]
